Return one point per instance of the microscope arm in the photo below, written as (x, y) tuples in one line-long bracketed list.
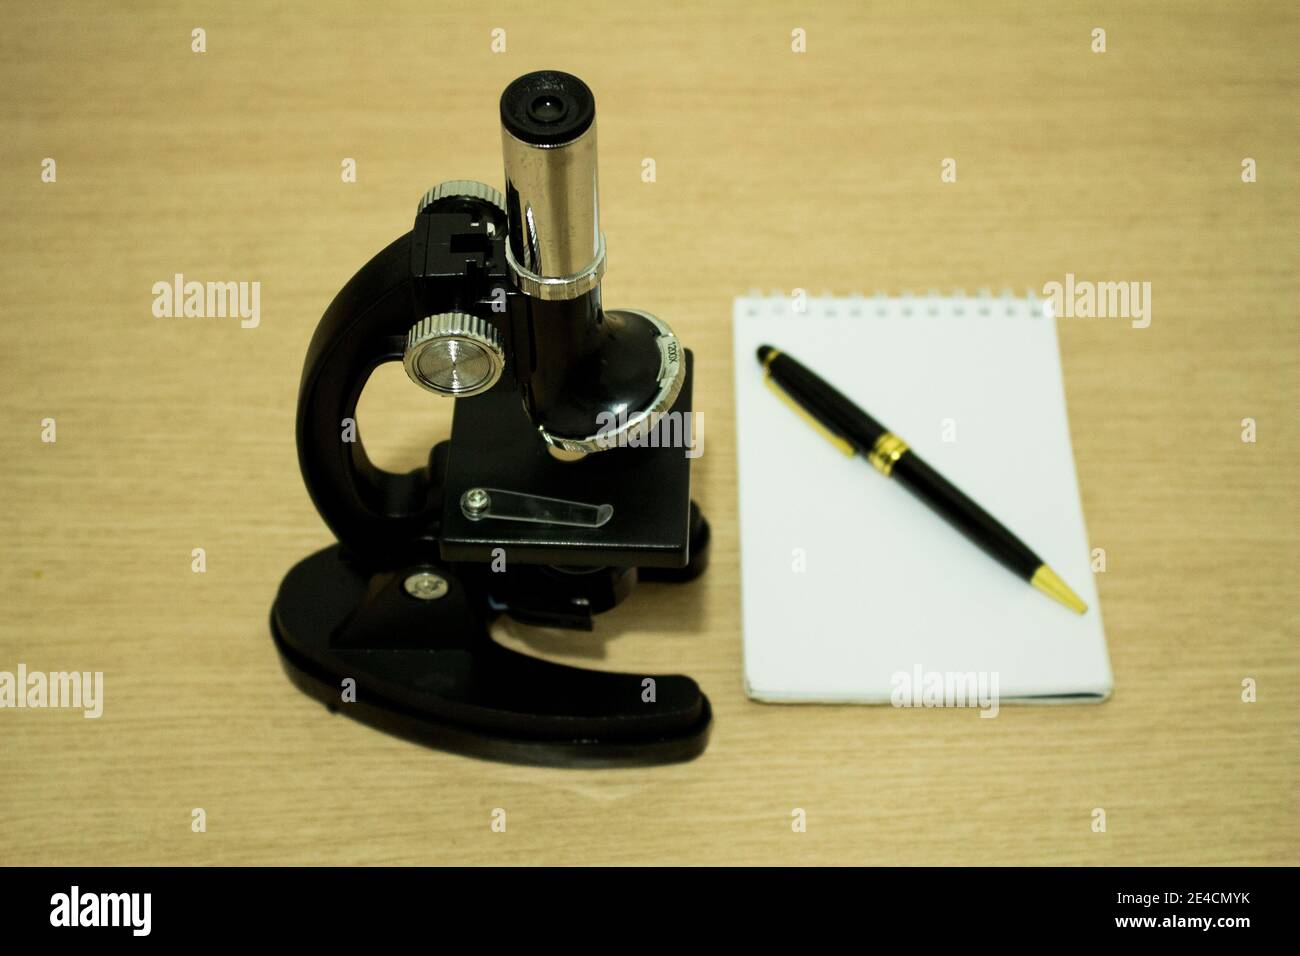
[(370, 511)]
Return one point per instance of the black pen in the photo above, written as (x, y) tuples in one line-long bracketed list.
[(853, 431)]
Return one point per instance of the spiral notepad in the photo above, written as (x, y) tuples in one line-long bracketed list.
[(848, 581)]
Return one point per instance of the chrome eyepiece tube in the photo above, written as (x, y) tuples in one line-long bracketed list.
[(548, 136), (590, 379)]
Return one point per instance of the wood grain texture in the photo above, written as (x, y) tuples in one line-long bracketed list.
[(775, 170)]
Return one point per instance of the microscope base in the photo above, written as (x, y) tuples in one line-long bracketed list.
[(427, 670)]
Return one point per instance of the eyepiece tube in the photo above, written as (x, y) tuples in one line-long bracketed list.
[(548, 136)]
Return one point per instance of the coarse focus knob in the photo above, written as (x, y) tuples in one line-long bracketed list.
[(462, 189), (454, 354)]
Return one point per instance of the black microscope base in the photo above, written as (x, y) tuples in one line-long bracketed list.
[(429, 671)]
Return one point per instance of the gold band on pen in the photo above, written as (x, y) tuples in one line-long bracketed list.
[(886, 451)]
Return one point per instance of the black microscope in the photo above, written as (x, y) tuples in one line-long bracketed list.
[(552, 498)]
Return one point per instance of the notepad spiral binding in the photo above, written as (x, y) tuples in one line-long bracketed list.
[(933, 302)]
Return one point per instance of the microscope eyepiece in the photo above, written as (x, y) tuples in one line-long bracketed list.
[(548, 137), (547, 108)]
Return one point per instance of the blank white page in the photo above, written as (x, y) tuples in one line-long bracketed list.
[(847, 578)]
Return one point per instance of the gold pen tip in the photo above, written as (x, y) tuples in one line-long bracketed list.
[(1050, 583)]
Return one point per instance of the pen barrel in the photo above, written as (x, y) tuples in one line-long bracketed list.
[(965, 515), (830, 407)]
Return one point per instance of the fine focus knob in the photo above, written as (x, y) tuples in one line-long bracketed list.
[(454, 354)]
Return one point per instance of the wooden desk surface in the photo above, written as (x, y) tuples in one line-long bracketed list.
[(775, 169)]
